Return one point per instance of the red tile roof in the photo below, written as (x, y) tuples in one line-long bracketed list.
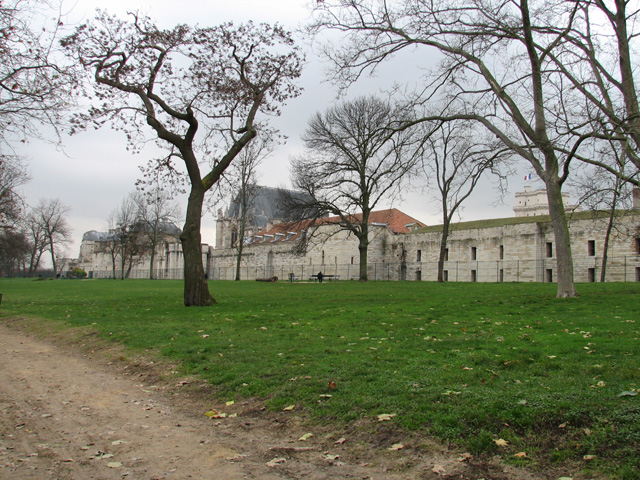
[(393, 219)]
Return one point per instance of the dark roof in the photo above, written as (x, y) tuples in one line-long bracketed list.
[(268, 204), (168, 228)]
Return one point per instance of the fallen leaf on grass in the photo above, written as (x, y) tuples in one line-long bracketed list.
[(331, 457), (520, 455), (275, 462), (114, 464), (501, 442), (588, 457), (383, 417), (340, 441), (396, 446), (289, 408), (228, 404), (628, 393), (305, 437), (439, 469), (465, 456)]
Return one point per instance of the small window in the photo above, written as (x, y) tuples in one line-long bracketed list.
[(474, 275), (419, 256), (446, 254), (591, 275), (637, 274), (549, 249), (445, 274), (322, 257), (419, 275), (548, 275), (591, 248), (637, 246), (501, 275), (474, 253), (351, 260), (501, 252)]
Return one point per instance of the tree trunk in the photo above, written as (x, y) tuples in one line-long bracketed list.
[(240, 244), (607, 236), (196, 290), (443, 249), (564, 259), (363, 248), (152, 259)]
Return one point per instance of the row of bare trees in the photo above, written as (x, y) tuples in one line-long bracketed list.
[(137, 228), (553, 82), (37, 231)]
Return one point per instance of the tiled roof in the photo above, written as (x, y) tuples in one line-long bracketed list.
[(393, 219)]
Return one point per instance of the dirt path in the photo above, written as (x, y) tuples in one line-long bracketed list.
[(65, 415)]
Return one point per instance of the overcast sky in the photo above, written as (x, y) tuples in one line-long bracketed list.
[(95, 171)]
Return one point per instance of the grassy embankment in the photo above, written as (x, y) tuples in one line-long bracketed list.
[(467, 363)]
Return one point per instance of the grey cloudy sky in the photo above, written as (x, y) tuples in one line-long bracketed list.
[(95, 171)]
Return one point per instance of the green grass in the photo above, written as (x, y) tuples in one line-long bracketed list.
[(466, 363)]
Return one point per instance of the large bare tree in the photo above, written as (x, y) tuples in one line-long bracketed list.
[(496, 69), (200, 90), (354, 160)]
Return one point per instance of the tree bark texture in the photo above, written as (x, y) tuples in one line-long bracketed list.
[(564, 258), (196, 290)]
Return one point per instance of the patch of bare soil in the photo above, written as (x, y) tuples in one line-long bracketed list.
[(85, 413)]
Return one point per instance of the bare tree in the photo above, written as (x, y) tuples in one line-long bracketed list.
[(354, 160), (496, 70), (37, 240), (14, 251), (600, 190), (211, 81), (156, 213), (129, 242), (596, 56), (12, 176), (51, 216), (243, 180), (456, 158), (34, 84)]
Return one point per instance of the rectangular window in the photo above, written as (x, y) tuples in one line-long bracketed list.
[(474, 253), (501, 252), (446, 254), (549, 250), (445, 274), (591, 274), (591, 248), (548, 275), (474, 275), (419, 275), (637, 246), (501, 275), (419, 256), (637, 274)]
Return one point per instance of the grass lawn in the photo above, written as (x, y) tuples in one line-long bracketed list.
[(467, 363)]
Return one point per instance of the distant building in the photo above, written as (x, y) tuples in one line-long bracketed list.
[(516, 249), (531, 203)]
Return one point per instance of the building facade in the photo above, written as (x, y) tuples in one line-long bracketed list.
[(515, 249)]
